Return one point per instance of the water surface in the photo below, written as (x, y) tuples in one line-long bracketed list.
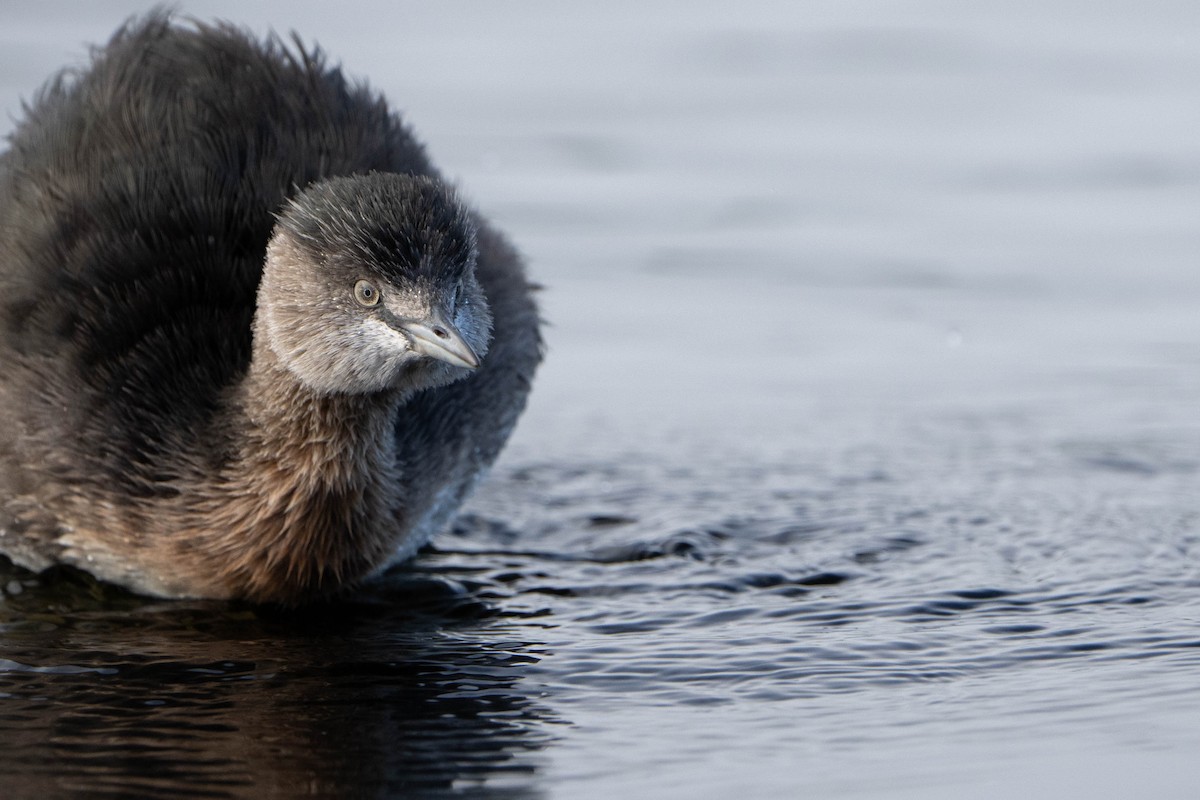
[(864, 461)]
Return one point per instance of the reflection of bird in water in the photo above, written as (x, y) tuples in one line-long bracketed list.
[(252, 345)]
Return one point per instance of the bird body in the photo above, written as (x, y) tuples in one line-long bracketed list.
[(251, 344)]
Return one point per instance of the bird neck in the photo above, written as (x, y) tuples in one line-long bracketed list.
[(308, 501), (323, 439)]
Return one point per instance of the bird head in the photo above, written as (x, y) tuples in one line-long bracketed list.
[(369, 284)]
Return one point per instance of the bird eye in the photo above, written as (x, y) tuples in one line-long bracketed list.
[(365, 293)]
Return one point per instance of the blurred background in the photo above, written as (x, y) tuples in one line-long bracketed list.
[(719, 197)]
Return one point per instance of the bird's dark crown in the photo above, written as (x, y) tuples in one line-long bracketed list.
[(407, 228)]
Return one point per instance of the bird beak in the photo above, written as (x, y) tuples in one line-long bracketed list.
[(437, 338)]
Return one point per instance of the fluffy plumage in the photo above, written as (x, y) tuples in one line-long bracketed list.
[(178, 418)]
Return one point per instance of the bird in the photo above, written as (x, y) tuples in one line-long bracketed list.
[(253, 345)]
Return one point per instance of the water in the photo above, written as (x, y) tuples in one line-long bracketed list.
[(863, 464)]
